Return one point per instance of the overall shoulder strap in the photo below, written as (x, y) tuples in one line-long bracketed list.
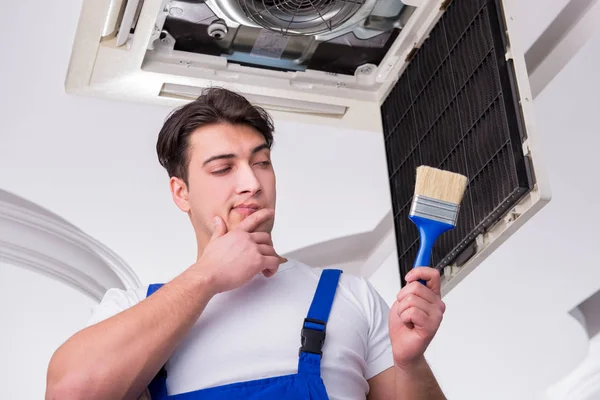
[(318, 314), (153, 288), (314, 327)]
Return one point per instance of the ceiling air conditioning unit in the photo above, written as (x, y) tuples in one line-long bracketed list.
[(444, 82)]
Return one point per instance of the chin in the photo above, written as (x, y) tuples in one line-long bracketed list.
[(234, 221)]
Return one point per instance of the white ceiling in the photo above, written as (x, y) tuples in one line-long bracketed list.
[(93, 163)]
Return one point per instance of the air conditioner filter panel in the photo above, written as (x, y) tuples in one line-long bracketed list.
[(455, 107)]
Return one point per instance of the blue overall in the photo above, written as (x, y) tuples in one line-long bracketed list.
[(304, 385)]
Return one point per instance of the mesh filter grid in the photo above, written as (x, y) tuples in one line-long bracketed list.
[(493, 185), (404, 138), (468, 54), (444, 136), (405, 177), (403, 96), (407, 259), (432, 101), (428, 62), (450, 110), (407, 231), (478, 93), (480, 145), (452, 239), (457, 162), (459, 17)]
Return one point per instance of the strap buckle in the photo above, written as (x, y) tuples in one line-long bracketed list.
[(312, 339)]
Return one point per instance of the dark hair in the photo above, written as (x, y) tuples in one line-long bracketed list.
[(215, 105)]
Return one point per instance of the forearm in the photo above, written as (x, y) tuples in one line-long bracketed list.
[(416, 382), (118, 357)]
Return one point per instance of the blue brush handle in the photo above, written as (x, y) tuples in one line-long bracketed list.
[(429, 231)]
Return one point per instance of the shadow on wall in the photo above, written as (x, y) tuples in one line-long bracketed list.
[(351, 250)]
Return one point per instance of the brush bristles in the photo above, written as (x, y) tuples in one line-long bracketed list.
[(442, 185)]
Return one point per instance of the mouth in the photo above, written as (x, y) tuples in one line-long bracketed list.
[(246, 209)]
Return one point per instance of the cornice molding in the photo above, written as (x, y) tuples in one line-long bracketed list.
[(34, 238)]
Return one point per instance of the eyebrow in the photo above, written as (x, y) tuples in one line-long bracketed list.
[(229, 156)]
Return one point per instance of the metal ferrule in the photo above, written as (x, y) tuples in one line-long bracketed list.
[(434, 209)]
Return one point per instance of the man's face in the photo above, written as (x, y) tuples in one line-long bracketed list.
[(229, 175)]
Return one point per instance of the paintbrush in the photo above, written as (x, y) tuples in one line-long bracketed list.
[(435, 206)]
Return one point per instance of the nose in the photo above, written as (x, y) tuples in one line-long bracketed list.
[(247, 181)]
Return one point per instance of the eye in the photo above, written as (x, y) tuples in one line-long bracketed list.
[(221, 171), (263, 163)]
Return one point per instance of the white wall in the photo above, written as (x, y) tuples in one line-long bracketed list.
[(387, 279), (37, 314)]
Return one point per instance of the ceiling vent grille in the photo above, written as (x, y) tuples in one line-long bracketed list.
[(300, 17)]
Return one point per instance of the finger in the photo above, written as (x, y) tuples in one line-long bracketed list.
[(251, 222), (267, 250), (430, 275), (267, 273), (219, 228), (282, 260), (265, 238), (418, 289), (262, 238), (271, 265), (413, 301), (414, 317)]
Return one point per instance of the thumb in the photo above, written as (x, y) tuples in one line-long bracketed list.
[(219, 228)]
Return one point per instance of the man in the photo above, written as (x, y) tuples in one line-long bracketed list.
[(229, 326)]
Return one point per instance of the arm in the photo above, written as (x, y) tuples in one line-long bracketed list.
[(117, 358), (112, 359), (414, 319), (416, 382)]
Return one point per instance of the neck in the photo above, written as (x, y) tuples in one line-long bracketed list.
[(199, 256)]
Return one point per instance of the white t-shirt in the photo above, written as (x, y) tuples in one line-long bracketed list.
[(254, 332)]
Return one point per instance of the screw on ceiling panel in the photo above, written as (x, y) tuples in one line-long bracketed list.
[(217, 29), (175, 11)]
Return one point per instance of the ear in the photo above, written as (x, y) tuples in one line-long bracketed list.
[(179, 193)]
